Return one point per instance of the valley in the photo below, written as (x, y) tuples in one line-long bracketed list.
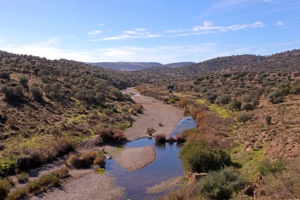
[(70, 118)]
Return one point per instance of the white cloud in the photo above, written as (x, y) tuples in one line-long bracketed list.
[(131, 34), (96, 32), (279, 23), (208, 26)]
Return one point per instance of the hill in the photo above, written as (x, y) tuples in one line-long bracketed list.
[(285, 61), (134, 66), (47, 107), (126, 66)]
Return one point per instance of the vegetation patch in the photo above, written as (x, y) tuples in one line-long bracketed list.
[(40, 185), (87, 159), (222, 112), (221, 184), (197, 156)]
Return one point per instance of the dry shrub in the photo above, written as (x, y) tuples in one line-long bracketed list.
[(108, 135), (171, 140), (22, 177), (137, 108), (40, 185), (86, 159), (5, 186), (187, 192), (182, 103), (160, 138), (34, 157)]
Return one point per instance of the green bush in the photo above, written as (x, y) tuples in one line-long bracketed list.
[(197, 156), (267, 167), (221, 185)]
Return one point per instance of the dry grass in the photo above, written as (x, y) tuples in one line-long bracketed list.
[(40, 185), (87, 159)]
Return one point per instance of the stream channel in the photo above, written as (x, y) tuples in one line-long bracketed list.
[(167, 165)]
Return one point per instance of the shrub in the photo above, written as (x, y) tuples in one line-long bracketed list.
[(160, 138), (111, 135), (86, 159), (244, 117), (220, 100), (5, 186), (275, 98), (198, 156), (150, 131), (268, 120), (171, 140), (234, 105), (285, 182), (23, 81), (267, 167), (182, 137), (247, 106), (22, 177), (36, 93), (222, 184), (5, 75), (12, 93)]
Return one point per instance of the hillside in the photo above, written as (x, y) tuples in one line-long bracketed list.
[(48, 107), (126, 66), (285, 61), (134, 66)]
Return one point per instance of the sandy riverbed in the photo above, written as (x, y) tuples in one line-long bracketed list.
[(155, 112), (96, 186)]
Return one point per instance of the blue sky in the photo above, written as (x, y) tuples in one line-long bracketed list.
[(163, 31)]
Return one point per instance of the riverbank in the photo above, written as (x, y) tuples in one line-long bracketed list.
[(161, 117)]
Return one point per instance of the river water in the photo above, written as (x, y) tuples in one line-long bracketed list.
[(167, 165)]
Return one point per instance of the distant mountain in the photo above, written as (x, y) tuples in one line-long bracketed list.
[(134, 66)]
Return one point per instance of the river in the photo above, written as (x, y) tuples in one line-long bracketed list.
[(167, 165)]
